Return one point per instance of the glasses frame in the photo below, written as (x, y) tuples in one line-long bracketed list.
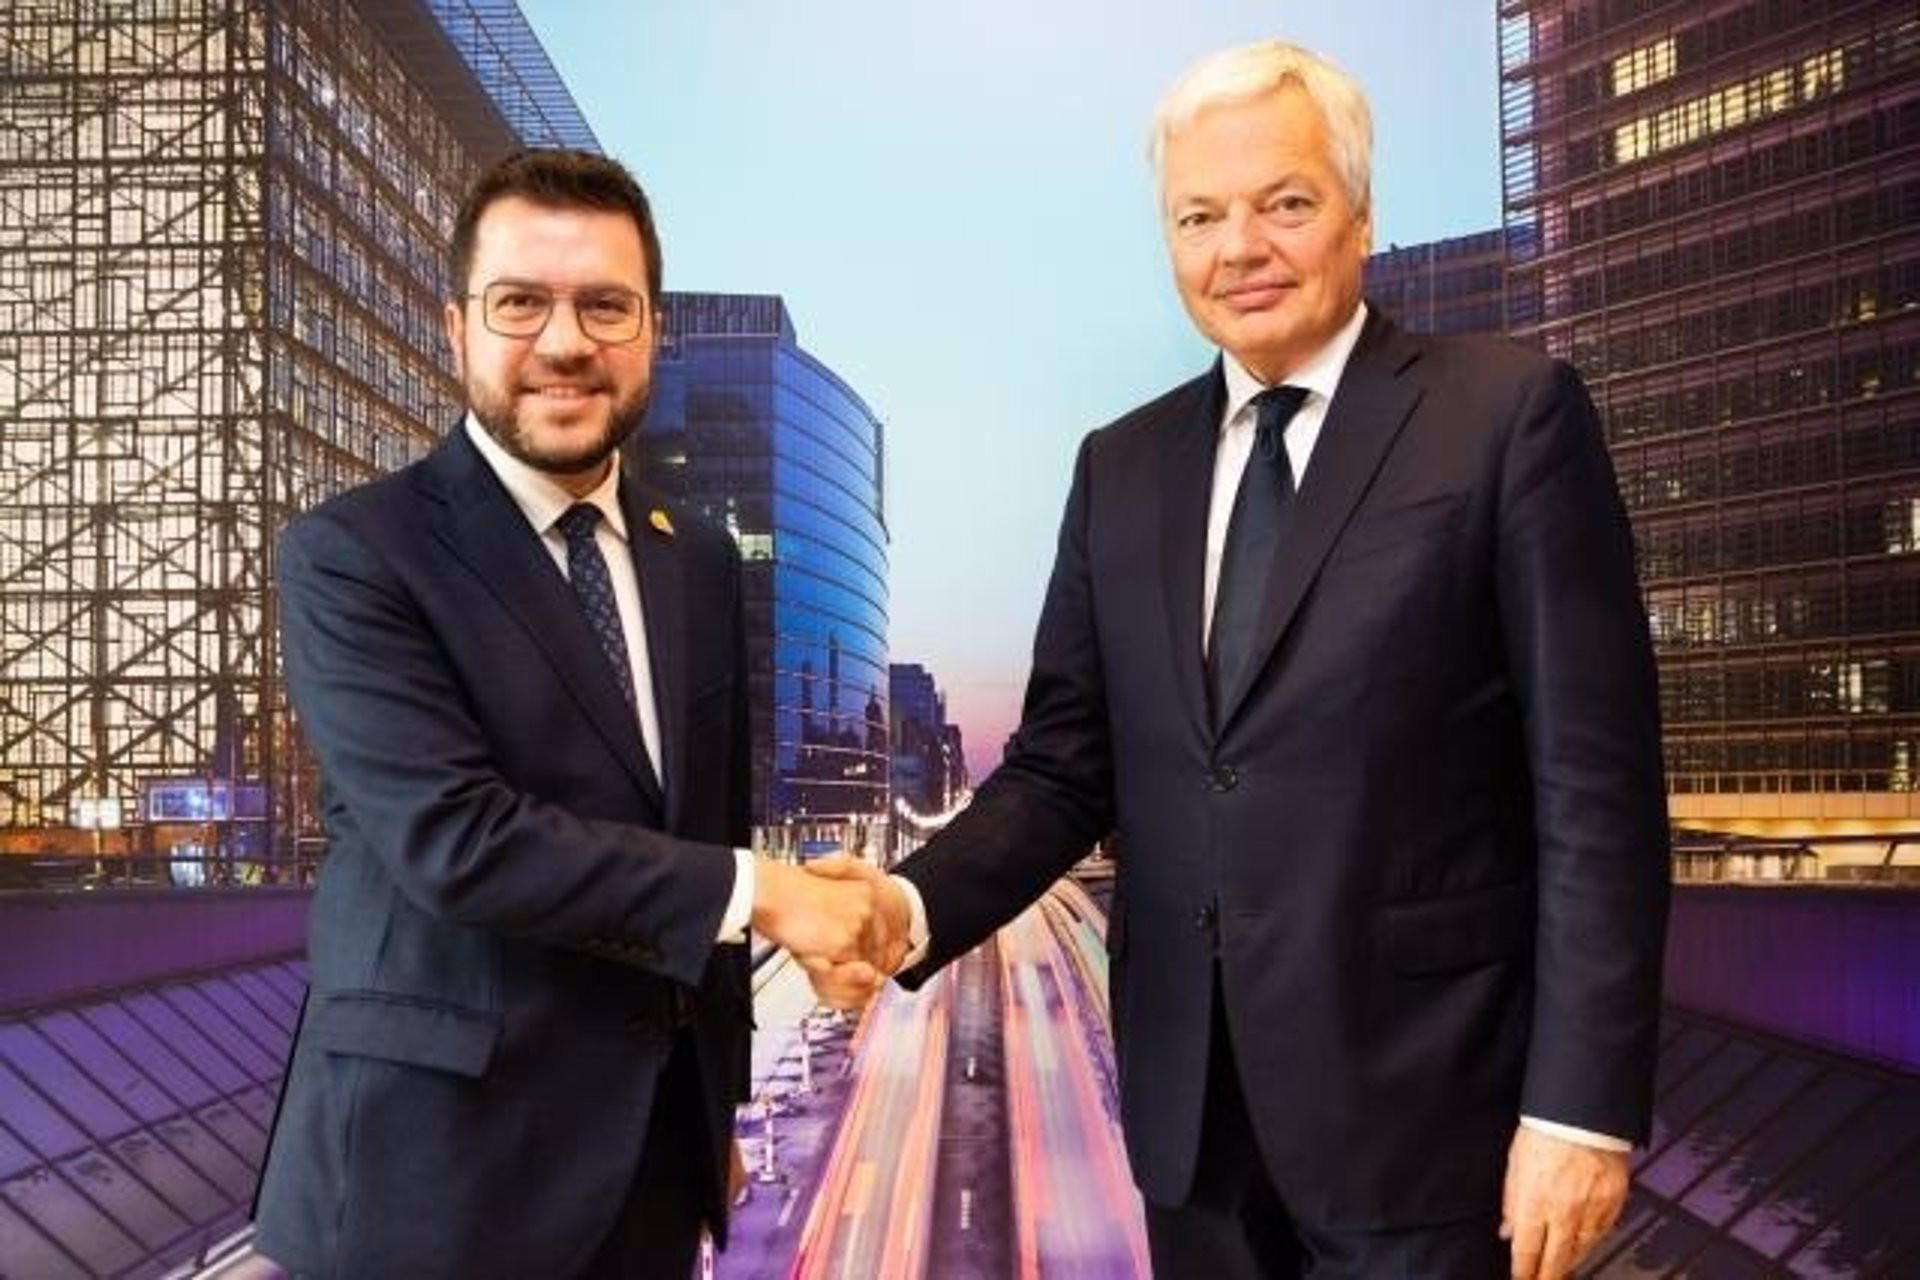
[(556, 296)]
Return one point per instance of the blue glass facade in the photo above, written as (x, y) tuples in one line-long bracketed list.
[(768, 441)]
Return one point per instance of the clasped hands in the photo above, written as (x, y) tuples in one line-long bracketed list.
[(843, 919)]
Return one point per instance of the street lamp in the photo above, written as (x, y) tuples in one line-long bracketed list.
[(99, 815)]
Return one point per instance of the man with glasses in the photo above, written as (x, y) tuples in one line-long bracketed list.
[(522, 673)]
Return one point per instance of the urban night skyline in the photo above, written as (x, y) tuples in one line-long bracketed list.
[(911, 258)]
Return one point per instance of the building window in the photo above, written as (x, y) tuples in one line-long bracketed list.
[(1753, 99), (1647, 65), (1900, 519), (1862, 687), (1900, 771)]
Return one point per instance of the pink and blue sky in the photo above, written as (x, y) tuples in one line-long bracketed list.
[(954, 201)]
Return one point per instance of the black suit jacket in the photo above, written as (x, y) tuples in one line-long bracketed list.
[(512, 918), (1427, 836)]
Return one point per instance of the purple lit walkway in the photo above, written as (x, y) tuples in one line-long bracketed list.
[(131, 1127), (141, 1040)]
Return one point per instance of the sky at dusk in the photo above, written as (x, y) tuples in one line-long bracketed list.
[(955, 204)]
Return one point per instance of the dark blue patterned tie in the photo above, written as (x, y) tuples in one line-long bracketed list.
[(1254, 533), (587, 571)]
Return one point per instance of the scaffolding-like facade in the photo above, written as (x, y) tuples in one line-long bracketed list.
[(222, 225), (1714, 210)]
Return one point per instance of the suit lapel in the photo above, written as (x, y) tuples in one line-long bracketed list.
[(1373, 401), (483, 528), (1191, 433), (657, 564)]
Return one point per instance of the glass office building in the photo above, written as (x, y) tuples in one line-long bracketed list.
[(1453, 286), (1718, 218), (929, 758), (767, 440), (221, 232)]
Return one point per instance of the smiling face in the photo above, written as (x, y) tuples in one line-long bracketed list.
[(1267, 244), (558, 401)]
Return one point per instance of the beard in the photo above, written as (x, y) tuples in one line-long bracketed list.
[(504, 416)]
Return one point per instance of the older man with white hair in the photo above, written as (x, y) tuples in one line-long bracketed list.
[(1343, 642)]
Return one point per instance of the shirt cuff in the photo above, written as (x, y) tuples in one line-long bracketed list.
[(739, 913), (918, 940), (1585, 1137)]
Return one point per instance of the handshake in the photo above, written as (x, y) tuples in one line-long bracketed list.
[(843, 919)]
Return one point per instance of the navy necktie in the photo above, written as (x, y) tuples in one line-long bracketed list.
[(593, 585), (1254, 533)]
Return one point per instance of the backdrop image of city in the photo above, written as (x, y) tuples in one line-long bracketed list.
[(223, 227)]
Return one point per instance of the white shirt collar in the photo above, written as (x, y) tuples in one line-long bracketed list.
[(541, 498), (1320, 373)]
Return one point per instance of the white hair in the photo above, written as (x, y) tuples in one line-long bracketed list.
[(1264, 67)]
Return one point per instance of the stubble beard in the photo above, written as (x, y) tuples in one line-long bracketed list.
[(499, 413)]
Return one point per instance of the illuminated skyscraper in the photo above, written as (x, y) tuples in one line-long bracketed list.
[(771, 443), (929, 764), (221, 234), (1715, 214)]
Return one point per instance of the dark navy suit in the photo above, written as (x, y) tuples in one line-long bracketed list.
[(514, 925), (1423, 846)]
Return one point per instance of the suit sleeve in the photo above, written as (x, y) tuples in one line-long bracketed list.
[(1047, 803), (1578, 650), (410, 776)]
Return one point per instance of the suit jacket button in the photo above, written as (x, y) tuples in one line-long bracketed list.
[(1223, 778), (1204, 917)]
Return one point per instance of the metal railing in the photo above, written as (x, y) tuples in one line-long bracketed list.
[(82, 873), (1792, 782)]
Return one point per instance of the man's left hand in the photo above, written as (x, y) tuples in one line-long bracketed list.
[(1560, 1198)]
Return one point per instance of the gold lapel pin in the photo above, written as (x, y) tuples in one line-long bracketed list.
[(659, 520)]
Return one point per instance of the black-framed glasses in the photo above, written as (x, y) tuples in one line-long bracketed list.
[(608, 314)]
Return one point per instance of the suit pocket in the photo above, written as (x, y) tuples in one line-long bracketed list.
[(1370, 534), (405, 1029), (1459, 931)]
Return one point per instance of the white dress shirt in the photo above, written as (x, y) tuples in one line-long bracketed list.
[(543, 500)]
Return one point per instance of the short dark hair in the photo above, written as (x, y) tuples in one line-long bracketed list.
[(558, 178)]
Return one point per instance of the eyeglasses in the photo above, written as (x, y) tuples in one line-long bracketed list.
[(608, 314)]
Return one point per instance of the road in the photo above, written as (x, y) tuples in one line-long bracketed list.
[(970, 1150)]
